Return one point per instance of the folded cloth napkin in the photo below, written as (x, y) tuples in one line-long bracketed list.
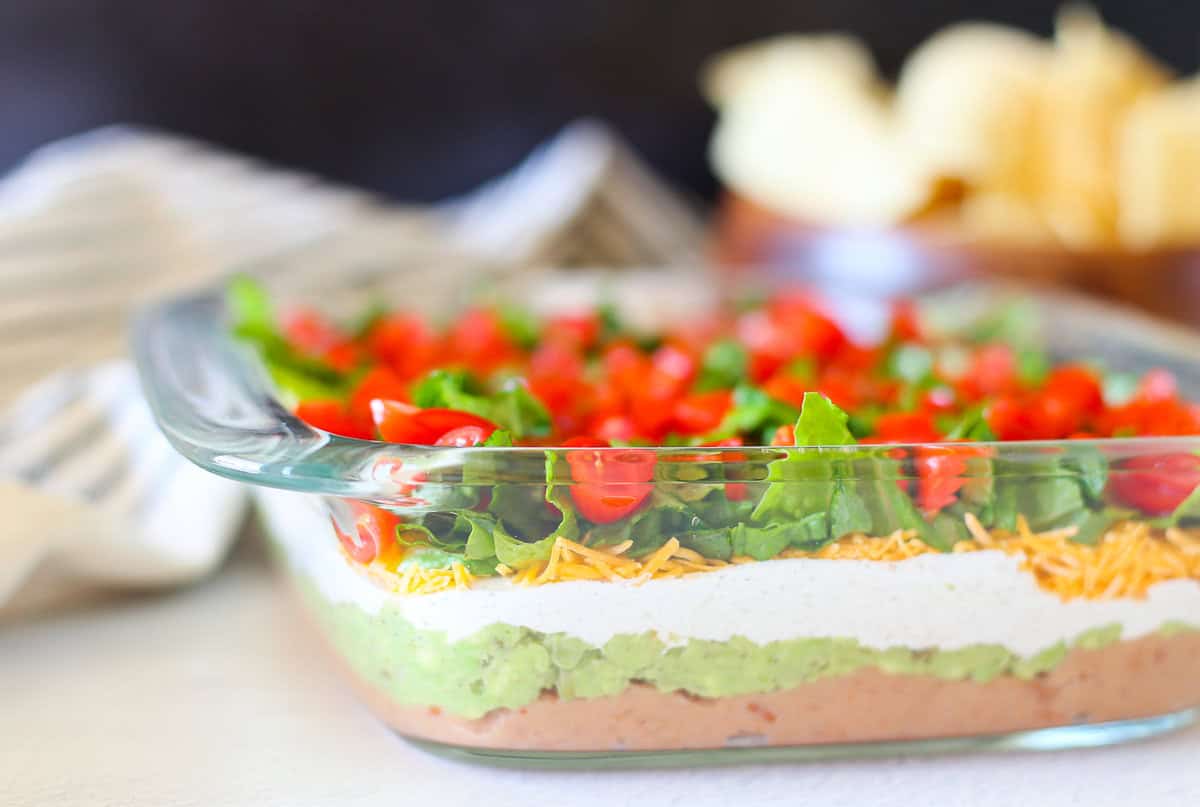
[(94, 226)]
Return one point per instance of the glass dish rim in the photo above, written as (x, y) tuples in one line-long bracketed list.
[(276, 449)]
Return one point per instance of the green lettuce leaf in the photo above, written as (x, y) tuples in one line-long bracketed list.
[(724, 365), (298, 377), (1188, 509), (1093, 524), (754, 412), (847, 511), (822, 423), (513, 408), (514, 552)]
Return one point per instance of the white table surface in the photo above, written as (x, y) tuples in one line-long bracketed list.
[(221, 695)]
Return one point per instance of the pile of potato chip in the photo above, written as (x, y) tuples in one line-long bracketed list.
[(1083, 141)]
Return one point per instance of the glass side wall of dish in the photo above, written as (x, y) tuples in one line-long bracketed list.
[(749, 531)]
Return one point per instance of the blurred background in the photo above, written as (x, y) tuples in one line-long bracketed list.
[(426, 98)]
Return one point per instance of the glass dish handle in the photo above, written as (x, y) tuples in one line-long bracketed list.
[(213, 401)]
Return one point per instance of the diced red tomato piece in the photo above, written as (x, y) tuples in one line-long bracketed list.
[(1078, 386), (580, 330), (406, 343), (1157, 385), (1053, 414), (702, 411), (939, 477), (374, 531), (907, 427), (856, 357), (615, 428), (608, 485), (309, 331), (479, 341), (906, 323), (1006, 418), (734, 491), (811, 331), (993, 371), (849, 389), (1156, 484), (675, 363), (939, 399), (785, 435), (1162, 418), (404, 423), (652, 413), (342, 356), (556, 376), (333, 417), (380, 383), (463, 436), (396, 422), (786, 387)]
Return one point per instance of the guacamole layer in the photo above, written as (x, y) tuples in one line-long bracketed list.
[(507, 667)]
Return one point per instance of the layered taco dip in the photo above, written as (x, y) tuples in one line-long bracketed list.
[(754, 529)]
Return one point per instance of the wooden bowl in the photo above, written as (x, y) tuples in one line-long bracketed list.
[(749, 238)]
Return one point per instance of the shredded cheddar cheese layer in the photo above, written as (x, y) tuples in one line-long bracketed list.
[(1126, 561)]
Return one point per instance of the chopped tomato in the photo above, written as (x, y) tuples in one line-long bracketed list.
[(784, 386), (343, 356), (811, 331), (734, 491), (333, 417), (404, 423), (463, 436), (374, 531), (847, 388), (907, 427), (309, 331), (480, 342), (1156, 484), (1078, 386), (1157, 385), (380, 383), (675, 363), (993, 371), (1161, 418), (615, 428), (939, 399), (1007, 419), (580, 330), (556, 376), (940, 472), (405, 343), (906, 323), (608, 485), (702, 411), (785, 435)]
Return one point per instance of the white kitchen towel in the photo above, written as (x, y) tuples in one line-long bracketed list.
[(95, 226)]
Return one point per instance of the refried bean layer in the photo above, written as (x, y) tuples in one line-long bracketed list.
[(1149, 676)]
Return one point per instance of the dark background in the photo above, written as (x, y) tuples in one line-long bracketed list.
[(426, 98)]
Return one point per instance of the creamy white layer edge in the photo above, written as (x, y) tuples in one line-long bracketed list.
[(945, 601)]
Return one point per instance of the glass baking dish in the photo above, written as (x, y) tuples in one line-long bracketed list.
[(598, 646)]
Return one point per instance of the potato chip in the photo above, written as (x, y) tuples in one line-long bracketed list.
[(808, 134), (1096, 76), (1159, 169), (833, 57), (1001, 218), (967, 104)]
